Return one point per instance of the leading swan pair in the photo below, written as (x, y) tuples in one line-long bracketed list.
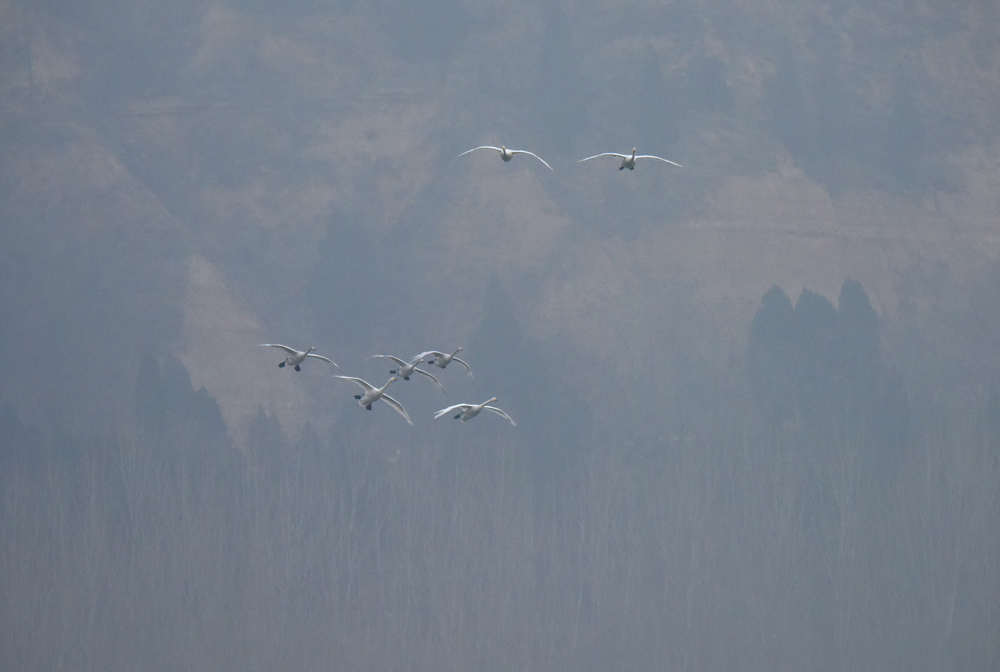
[(628, 160)]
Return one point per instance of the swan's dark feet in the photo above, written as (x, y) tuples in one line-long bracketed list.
[(405, 377), (369, 407), (631, 167), (357, 396), (622, 168), (458, 416), (393, 373), (281, 366), (297, 368)]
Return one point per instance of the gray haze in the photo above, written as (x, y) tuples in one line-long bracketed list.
[(758, 398)]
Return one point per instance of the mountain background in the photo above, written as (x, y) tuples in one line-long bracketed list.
[(757, 397)]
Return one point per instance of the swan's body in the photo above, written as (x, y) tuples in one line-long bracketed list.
[(442, 360), (406, 369), (372, 394), (507, 154), (467, 412), (628, 160), (296, 357)]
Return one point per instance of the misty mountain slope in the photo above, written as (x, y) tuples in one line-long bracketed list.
[(220, 346), (92, 273), (309, 157), (945, 337)]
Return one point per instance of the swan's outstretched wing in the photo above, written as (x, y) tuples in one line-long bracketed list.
[(446, 411), (325, 359), (524, 151), (501, 413), (421, 356), (364, 385), (658, 158), (436, 381), (290, 351), (467, 367), (398, 406), (395, 359), (480, 147), (620, 156)]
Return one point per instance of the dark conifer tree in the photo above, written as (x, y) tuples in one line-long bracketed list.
[(771, 356)]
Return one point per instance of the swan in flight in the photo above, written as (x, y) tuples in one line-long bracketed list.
[(507, 154), (372, 394), (406, 369), (469, 411), (628, 160), (296, 357), (442, 360)]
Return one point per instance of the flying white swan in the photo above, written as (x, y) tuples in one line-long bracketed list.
[(406, 369), (442, 360), (507, 154), (628, 160), (296, 357), (469, 411), (372, 394)]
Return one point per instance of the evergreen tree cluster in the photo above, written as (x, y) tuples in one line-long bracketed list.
[(818, 368)]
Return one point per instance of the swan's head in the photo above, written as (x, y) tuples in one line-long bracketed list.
[(458, 350), (633, 151), (311, 348), (490, 401)]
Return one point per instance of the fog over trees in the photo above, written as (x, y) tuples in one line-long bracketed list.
[(757, 398)]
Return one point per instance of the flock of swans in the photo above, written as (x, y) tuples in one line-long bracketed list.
[(404, 369), (407, 368), (628, 160)]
